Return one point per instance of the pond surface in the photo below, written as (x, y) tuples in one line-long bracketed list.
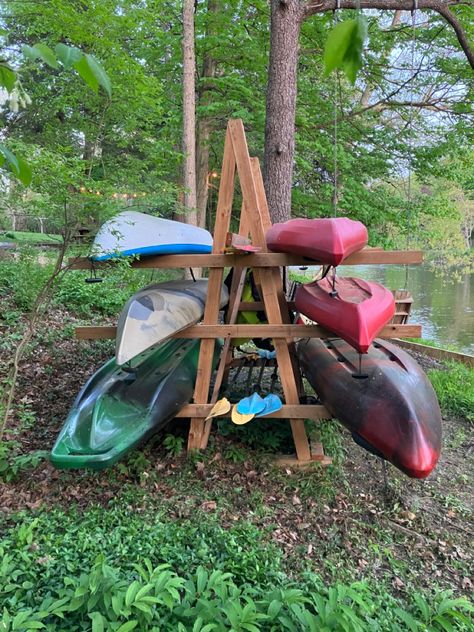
[(444, 307)]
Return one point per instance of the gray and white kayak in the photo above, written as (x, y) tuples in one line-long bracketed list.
[(158, 311), (131, 233)]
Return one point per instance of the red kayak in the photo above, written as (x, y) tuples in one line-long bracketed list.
[(356, 311), (390, 406), (325, 240)]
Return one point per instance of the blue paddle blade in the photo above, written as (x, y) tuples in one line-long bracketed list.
[(251, 405), (272, 404)]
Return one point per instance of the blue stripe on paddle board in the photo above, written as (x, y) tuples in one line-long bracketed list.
[(164, 249)]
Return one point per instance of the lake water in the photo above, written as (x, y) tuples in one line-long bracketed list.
[(444, 307)]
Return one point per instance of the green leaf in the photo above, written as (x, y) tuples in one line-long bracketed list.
[(143, 591), (30, 52), (97, 621), (99, 73), (67, 55), (7, 77), (411, 623), (43, 52), (131, 592), (86, 73), (337, 45), (25, 174), (344, 47), (274, 609), (444, 623), (17, 165), (11, 159), (130, 625)]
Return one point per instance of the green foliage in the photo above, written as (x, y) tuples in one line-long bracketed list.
[(87, 67), (23, 277), (108, 297), (344, 47), (69, 544), (146, 596), (173, 444), (16, 164), (13, 463), (455, 389), (69, 56)]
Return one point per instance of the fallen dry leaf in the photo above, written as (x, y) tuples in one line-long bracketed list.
[(209, 505)]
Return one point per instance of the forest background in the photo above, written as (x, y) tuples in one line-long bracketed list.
[(394, 149)]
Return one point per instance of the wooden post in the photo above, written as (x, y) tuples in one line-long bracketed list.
[(197, 439)]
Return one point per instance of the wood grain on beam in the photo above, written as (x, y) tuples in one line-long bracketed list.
[(257, 260), (299, 411), (251, 331)]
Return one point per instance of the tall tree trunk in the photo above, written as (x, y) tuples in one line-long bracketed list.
[(204, 126), (286, 17), (189, 116)]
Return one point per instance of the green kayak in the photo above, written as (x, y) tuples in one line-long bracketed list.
[(117, 409)]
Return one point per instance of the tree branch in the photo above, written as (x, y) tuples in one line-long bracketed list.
[(440, 6), (462, 38)]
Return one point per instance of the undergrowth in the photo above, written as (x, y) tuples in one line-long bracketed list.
[(23, 277), (113, 570)]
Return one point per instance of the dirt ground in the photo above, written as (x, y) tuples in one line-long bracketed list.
[(342, 520)]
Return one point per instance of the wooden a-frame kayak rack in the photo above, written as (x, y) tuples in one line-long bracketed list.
[(254, 222)]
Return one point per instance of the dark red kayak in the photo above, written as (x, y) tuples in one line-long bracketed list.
[(390, 407), (356, 311), (325, 240)]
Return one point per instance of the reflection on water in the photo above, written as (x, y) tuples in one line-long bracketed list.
[(443, 307)]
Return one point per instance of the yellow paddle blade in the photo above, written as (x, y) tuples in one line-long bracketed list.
[(221, 407), (239, 419)]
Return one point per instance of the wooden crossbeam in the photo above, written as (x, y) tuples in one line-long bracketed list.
[(256, 260), (250, 331), (300, 411)]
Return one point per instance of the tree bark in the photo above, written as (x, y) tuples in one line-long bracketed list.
[(189, 116), (204, 128), (280, 107)]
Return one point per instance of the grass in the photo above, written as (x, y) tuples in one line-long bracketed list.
[(455, 389), (34, 238), (432, 343)]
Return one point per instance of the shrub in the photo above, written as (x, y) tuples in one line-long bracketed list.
[(23, 277)]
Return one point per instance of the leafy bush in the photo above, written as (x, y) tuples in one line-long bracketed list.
[(455, 389), (23, 277), (108, 297)]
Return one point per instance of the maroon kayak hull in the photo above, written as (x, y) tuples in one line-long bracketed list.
[(357, 314), (325, 240), (393, 410)]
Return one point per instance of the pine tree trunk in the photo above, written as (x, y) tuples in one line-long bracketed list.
[(286, 17)]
